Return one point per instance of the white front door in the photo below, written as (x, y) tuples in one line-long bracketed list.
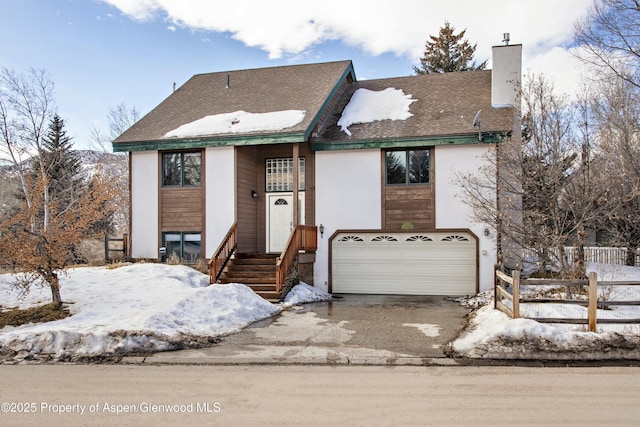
[(280, 219)]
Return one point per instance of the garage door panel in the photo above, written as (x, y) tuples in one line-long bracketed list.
[(436, 263)]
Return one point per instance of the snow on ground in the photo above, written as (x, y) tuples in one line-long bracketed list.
[(492, 334), (133, 309), (303, 293), (368, 106), (145, 308), (238, 122)]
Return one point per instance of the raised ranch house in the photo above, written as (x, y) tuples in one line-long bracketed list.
[(305, 170)]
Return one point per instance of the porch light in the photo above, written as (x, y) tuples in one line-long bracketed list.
[(321, 228), (254, 194)]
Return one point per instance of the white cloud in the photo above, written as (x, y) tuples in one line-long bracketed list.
[(565, 71), (137, 9), (291, 27), (402, 26)]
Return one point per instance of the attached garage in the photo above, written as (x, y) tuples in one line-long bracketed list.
[(407, 263)]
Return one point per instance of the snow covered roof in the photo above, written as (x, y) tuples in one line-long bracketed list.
[(243, 102), (238, 122), (317, 102), (368, 106), (438, 105)]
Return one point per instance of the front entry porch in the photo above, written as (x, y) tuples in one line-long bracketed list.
[(269, 275)]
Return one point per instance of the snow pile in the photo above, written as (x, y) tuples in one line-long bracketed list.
[(368, 106), (303, 293), (238, 122), (137, 308), (492, 334), (476, 301)]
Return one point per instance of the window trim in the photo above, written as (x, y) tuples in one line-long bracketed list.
[(407, 181), (182, 155), (182, 236)]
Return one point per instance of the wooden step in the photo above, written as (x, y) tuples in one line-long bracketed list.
[(253, 267), (249, 280), (258, 271)]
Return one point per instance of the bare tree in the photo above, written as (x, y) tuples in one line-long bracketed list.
[(119, 119), (617, 117), (40, 253), (37, 239), (536, 192), (609, 38), (26, 106)]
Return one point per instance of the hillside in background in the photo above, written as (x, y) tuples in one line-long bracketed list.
[(115, 166)]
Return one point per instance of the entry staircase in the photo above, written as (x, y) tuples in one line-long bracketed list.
[(266, 274), (257, 271)]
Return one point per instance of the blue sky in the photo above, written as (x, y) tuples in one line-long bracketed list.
[(105, 52)]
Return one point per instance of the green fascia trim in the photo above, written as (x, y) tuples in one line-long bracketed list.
[(487, 138), (348, 71), (181, 144), (185, 144)]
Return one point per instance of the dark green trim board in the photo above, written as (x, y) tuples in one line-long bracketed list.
[(487, 138), (348, 72), (186, 144), (237, 140)]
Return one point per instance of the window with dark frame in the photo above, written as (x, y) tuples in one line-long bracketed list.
[(185, 245), (182, 169), (407, 167)]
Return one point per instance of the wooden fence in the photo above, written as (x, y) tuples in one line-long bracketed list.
[(603, 255), (119, 246), (509, 299)]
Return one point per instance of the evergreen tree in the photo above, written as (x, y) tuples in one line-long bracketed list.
[(61, 165), (448, 52)]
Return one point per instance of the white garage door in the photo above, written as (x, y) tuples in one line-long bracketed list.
[(434, 263)]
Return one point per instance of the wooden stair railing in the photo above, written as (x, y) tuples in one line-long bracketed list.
[(303, 238), (221, 257)]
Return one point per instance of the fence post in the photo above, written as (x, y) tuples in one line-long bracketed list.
[(593, 301), (495, 286), (516, 294), (106, 247)]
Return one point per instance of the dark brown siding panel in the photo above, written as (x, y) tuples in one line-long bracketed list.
[(408, 205), (247, 206), (181, 209)]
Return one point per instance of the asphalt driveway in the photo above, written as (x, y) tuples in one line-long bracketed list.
[(350, 329)]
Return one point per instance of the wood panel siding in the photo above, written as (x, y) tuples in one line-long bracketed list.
[(181, 208), (408, 204), (246, 206)]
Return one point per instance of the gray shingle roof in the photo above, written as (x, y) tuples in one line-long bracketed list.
[(263, 90), (446, 105)]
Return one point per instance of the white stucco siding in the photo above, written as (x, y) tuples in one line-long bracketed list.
[(220, 195), (452, 212), (347, 197), (144, 204)]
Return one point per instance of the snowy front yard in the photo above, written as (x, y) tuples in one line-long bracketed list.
[(144, 308), (133, 309), (491, 334)]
